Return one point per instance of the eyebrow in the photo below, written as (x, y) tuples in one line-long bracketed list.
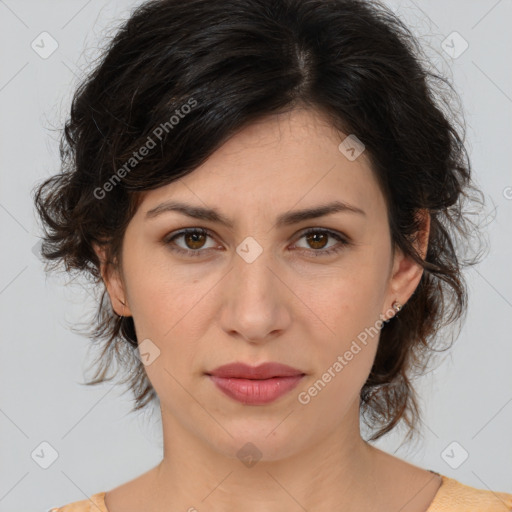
[(285, 219)]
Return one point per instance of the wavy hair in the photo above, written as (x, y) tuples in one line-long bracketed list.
[(189, 75)]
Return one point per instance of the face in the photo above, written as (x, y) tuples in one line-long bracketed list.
[(308, 293)]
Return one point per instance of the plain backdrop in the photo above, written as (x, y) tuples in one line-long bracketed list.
[(85, 434)]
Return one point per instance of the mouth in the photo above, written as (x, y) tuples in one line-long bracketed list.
[(255, 385)]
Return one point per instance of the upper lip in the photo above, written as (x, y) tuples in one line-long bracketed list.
[(262, 371)]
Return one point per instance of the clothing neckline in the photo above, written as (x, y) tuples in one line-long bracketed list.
[(440, 491), (99, 498)]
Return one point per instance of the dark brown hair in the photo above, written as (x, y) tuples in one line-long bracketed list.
[(188, 75)]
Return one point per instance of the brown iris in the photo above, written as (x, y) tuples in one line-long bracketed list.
[(316, 236), (198, 239)]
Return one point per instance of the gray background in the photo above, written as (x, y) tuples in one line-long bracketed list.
[(466, 399)]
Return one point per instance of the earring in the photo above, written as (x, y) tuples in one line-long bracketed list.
[(396, 306)]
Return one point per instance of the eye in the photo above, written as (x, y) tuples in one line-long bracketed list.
[(318, 239), (195, 238)]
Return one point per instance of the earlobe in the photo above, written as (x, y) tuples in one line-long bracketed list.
[(396, 307), (124, 307), (113, 284)]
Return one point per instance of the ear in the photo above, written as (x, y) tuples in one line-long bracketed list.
[(406, 273), (113, 283)]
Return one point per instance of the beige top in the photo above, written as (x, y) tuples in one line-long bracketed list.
[(452, 496)]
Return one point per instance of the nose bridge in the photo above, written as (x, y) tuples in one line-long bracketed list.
[(253, 278), (254, 306)]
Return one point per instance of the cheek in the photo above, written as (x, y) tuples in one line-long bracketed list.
[(160, 294), (347, 301), (346, 310), (344, 357), (168, 308)]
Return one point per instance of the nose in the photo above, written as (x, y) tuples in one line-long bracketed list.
[(256, 302)]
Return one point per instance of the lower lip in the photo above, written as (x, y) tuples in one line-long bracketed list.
[(256, 392)]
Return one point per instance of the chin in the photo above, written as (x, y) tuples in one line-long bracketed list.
[(254, 440)]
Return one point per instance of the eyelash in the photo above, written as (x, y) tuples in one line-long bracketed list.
[(201, 231)]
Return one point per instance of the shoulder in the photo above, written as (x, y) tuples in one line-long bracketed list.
[(454, 496), (96, 503)]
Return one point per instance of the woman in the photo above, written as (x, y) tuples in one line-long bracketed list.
[(269, 194)]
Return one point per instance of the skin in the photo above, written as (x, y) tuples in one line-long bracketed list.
[(287, 306)]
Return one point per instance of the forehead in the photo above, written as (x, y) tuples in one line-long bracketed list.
[(283, 161)]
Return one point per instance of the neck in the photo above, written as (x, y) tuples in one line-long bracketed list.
[(336, 472)]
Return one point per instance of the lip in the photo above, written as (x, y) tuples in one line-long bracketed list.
[(262, 371), (256, 385)]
